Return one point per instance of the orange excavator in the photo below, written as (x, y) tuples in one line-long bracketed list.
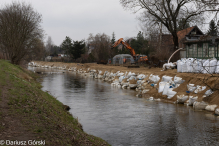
[(137, 57)]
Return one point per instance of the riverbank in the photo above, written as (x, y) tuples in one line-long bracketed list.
[(207, 80), (28, 113)]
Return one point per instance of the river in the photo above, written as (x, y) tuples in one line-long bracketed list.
[(122, 119)]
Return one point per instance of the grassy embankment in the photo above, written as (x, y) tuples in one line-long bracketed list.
[(29, 113)]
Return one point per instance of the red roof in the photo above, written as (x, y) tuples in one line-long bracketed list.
[(182, 33)]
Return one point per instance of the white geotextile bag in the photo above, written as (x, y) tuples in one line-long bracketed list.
[(206, 67), (189, 66), (166, 78), (179, 66), (154, 78), (192, 100), (211, 108), (191, 87), (131, 74), (161, 87), (184, 67), (181, 98), (213, 65), (141, 76), (121, 78), (178, 80), (120, 74), (217, 68), (170, 93), (209, 92), (133, 85), (166, 88), (199, 89), (197, 66), (132, 77)]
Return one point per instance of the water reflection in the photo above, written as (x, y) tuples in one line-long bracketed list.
[(120, 118)]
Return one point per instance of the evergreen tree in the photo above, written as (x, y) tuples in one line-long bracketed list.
[(78, 49), (67, 45), (113, 40), (140, 44), (212, 28)]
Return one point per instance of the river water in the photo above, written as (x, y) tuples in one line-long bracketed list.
[(122, 119)]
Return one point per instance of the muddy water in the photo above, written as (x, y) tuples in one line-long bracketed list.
[(120, 118)]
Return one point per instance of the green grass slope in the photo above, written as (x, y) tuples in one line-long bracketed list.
[(28, 113)]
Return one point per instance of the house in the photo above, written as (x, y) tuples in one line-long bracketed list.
[(203, 48), (185, 37)]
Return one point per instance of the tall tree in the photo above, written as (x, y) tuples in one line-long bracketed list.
[(113, 40), (67, 45), (169, 12), (78, 49), (19, 29), (49, 45), (101, 44), (212, 28)]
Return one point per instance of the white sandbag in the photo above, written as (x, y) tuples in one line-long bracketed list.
[(211, 108), (206, 67), (189, 66), (166, 78), (161, 87), (120, 74), (131, 74), (209, 92), (199, 89), (141, 76), (213, 65), (181, 99), (154, 78), (132, 77), (132, 86), (170, 93), (191, 87), (197, 66), (216, 112), (199, 105), (217, 68), (151, 98), (192, 100), (179, 66), (166, 88), (184, 67), (121, 78), (178, 80), (169, 66)]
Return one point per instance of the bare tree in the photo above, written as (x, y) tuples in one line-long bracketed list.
[(19, 30), (169, 12), (101, 44), (49, 44)]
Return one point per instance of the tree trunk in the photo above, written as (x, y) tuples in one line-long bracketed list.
[(176, 46)]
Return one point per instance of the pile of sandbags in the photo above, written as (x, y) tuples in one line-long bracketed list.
[(193, 65)]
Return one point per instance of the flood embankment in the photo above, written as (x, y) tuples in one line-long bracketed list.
[(197, 90), (28, 113)]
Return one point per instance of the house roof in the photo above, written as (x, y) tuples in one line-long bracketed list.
[(181, 34)]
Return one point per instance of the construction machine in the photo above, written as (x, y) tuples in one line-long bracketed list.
[(138, 58)]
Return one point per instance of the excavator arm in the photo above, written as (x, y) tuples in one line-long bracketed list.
[(121, 41)]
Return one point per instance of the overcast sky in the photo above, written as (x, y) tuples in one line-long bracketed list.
[(78, 18)]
